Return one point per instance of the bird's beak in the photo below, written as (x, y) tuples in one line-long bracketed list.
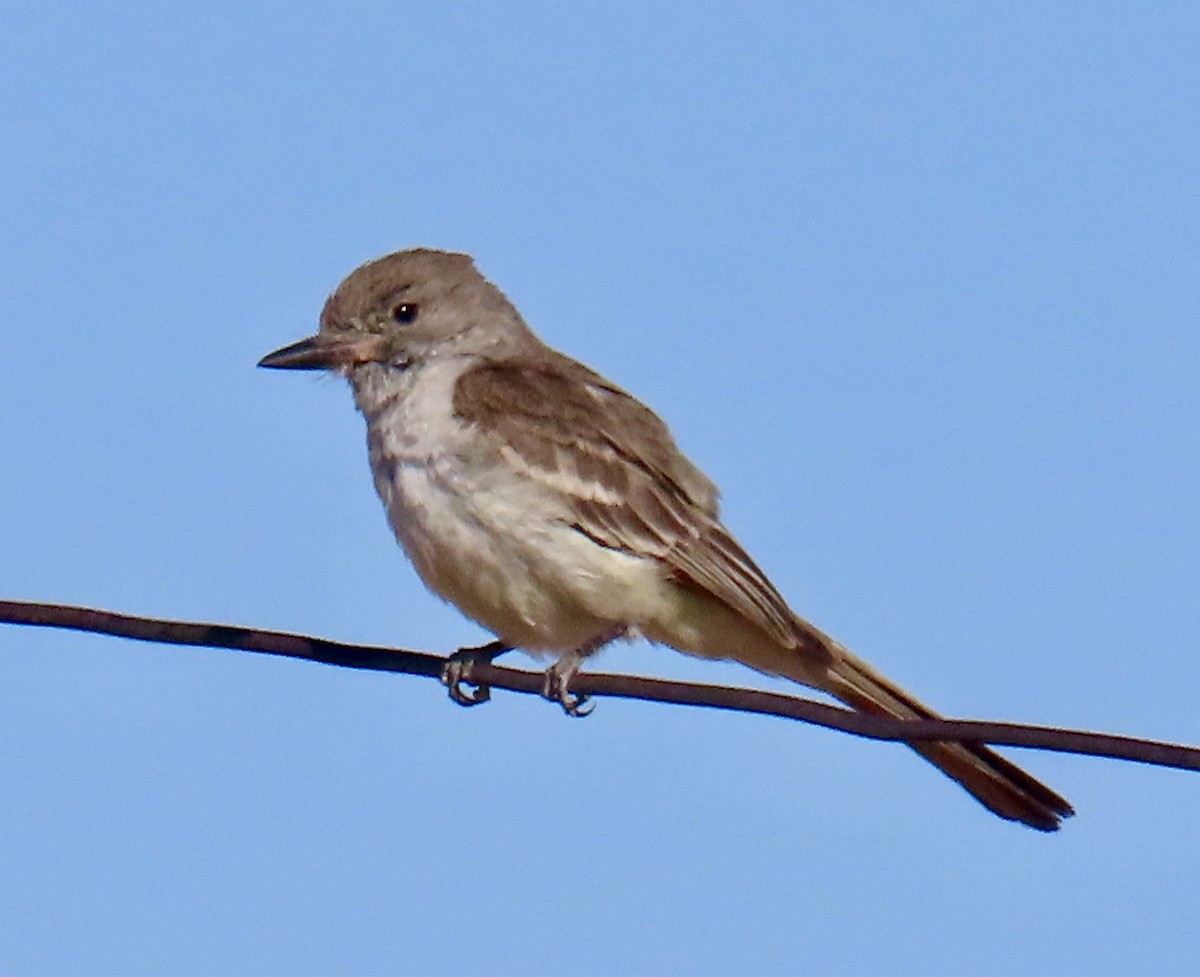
[(324, 352)]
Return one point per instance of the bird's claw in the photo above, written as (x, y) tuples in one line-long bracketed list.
[(556, 688), (457, 672)]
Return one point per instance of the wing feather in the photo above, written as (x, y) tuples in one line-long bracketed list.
[(630, 488)]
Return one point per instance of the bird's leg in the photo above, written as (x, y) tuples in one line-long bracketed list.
[(556, 686), (458, 670)]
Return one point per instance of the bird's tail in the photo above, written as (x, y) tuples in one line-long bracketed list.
[(999, 785), (713, 629)]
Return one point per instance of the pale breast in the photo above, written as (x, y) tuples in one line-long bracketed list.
[(480, 534)]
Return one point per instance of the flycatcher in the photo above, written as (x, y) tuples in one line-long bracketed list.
[(555, 509)]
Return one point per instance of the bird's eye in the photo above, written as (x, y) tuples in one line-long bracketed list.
[(405, 312)]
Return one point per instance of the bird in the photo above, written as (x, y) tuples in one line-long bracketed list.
[(555, 509)]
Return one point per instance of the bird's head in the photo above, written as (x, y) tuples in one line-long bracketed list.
[(404, 307)]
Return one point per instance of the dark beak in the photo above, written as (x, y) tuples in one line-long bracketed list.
[(304, 355), (322, 352)]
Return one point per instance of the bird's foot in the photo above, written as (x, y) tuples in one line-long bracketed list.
[(457, 672), (556, 687)]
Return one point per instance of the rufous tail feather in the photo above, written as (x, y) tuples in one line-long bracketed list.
[(999, 785)]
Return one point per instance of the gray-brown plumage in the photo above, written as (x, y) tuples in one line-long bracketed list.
[(556, 509)]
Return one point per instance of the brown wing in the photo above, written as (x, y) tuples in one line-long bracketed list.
[(631, 488)]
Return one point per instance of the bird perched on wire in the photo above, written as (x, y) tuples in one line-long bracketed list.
[(555, 509)]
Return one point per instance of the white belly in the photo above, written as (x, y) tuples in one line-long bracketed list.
[(496, 545)]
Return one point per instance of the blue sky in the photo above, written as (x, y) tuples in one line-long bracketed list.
[(915, 283)]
